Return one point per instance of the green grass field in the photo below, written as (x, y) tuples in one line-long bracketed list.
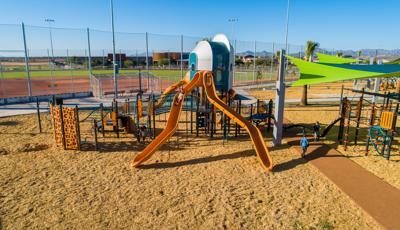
[(68, 73), (173, 75)]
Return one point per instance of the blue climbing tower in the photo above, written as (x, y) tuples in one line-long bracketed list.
[(217, 56)]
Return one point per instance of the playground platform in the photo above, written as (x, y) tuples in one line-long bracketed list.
[(375, 196)]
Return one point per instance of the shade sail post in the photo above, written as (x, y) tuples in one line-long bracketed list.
[(279, 101)]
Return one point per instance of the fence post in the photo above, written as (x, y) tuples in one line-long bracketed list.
[(234, 63), (51, 73), (71, 72), (89, 57), (272, 60), (254, 61), (181, 56), (103, 59), (120, 58), (147, 61), (28, 74)]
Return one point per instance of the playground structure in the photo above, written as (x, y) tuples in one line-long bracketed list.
[(132, 115), (380, 119), (65, 123), (211, 64), (206, 90)]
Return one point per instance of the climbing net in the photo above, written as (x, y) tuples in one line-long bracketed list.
[(379, 138)]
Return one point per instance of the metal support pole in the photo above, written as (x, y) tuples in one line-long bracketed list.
[(62, 127), (181, 56), (95, 134), (147, 61), (359, 110), (270, 105), (89, 56), (38, 115), (102, 119), (191, 113), (78, 128), (341, 99), (153, 110), (117, 118), (28, 74), (279, 101), (376, 89), (114, 56), (240, 113)]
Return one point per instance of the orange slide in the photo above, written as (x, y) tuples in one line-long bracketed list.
[(255, 134), (205, 79), (172, 125), (171, 89)]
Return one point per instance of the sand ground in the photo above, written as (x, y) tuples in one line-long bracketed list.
[(191, 183)]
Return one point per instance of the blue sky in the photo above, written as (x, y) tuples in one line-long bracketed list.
[(339, 24)]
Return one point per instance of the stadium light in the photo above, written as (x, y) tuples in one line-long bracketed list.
[(232, 21)]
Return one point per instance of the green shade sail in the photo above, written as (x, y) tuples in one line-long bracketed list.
[(397, 61), (329, 59), (315, 73)]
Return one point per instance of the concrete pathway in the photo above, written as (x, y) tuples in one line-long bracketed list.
[(375, 196)]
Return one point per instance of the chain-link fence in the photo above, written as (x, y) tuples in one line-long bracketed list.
[(38, 60)]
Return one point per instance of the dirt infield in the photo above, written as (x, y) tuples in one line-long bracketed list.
[(10, 88), (18, 87), (43, 86)]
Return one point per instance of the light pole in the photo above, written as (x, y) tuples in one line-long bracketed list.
[(232, 21), (113, 44), (287, 24), (49, 21)]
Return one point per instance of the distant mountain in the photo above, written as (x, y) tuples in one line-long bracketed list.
[(364, 52), (264, 53), (353, 53)]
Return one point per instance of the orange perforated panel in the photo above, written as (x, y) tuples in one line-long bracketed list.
[(386, 120)]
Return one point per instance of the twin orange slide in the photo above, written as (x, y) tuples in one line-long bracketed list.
[(205, 79)]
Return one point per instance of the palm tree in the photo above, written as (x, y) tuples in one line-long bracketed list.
[(311, 46)]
